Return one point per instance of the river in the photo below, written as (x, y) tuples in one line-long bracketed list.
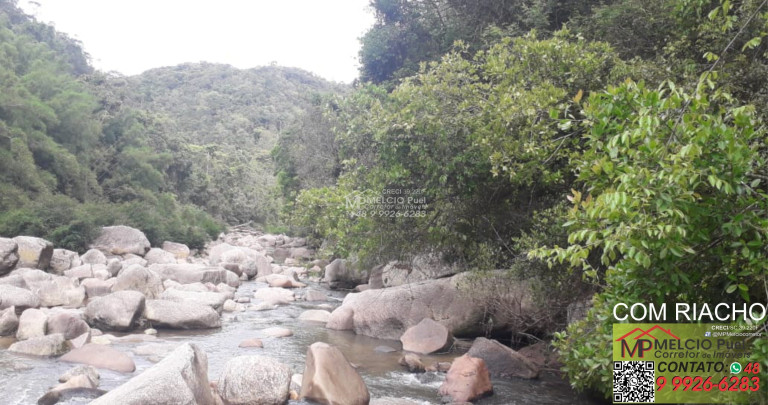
[(23, 379)]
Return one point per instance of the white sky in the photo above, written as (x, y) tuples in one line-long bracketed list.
[(131, 36)]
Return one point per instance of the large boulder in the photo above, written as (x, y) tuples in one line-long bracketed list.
[(94, 256), (186, 273), (33, 252), (301, 253), (250, 380), (95, 287), (80, 272), (101, 356), (119, 240), (181, 315), (280, 254), (214, 256), (426, 337), (114, 266), (181, 378), (68, 324), (48, 345), (32, 324), (341, 273), (428, 266), (467, 380), (9, 322), (117, 311), (501, 360), (9, 255), (330, 379), (159, 256), (257, 267), (63, 260), (212, 299), (21, 298), (179, 250), (388, 312), (53, 290), (139, 279)]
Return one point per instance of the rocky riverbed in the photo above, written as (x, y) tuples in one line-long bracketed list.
[(249, 320)]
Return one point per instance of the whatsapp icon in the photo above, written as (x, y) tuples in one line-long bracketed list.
[(735, 368)]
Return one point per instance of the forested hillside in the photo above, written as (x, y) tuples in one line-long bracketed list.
[(605, 151), (177, 152)]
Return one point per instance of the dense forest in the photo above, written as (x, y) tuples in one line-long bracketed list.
[(177, 152), (607, 151), (603, 150)]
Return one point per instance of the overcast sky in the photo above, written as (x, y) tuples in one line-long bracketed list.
[(131, 36)]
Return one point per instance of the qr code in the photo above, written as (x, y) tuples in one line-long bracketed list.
[(634, 382)]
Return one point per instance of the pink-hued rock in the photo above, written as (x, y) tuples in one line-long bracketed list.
[(330, 379), (467, 380), (101, 356), (426, 337)]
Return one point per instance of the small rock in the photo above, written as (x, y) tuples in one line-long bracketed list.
[(229, 306), (274, 295), (89, 371), (251, 343), (150, 331), (315, 315), (412, 362), (263, 306), (384, 349), (277, 332), (315, 295)]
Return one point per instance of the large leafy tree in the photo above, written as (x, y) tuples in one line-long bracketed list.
[(671, 208)]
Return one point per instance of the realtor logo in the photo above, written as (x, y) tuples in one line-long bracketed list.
[(640, 346)]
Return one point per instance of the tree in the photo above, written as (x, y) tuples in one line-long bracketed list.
[(671, 207)]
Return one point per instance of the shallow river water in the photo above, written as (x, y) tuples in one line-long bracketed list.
[(24, 379)]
